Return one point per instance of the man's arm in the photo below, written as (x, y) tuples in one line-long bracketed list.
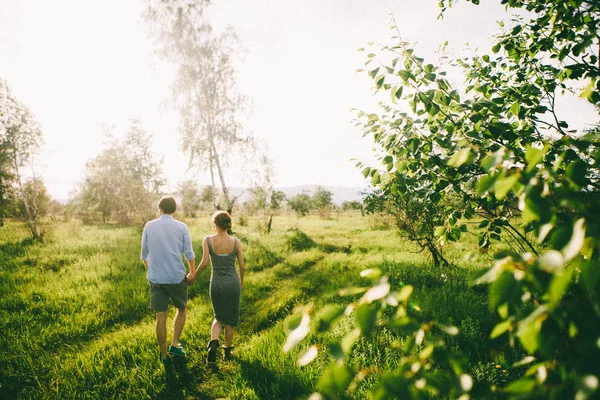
[(145, 251), (188, 253)]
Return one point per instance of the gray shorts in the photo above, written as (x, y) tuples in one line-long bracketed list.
[(160, 293)]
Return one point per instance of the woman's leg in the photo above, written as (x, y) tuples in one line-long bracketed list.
[(215, 330), (229, 330)]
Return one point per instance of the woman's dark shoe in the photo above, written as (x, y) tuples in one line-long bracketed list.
[(213, 345), (227, 353)]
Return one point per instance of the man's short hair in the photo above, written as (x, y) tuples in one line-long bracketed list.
[(167, 204)]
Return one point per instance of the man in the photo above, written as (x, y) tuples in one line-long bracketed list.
[(163, 242)]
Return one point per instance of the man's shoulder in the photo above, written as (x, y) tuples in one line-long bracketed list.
[(151, 222), (180, 223)]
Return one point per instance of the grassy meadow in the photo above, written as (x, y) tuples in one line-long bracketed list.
[(76, 321)]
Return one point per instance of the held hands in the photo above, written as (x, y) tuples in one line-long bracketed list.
[(191, 279)]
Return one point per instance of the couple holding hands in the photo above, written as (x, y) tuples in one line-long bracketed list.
[(164, 240)]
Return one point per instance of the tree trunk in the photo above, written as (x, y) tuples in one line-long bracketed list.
[(436, 254), (2, 205), (228, 202), (212, 178), (269, 224), (31, 219)]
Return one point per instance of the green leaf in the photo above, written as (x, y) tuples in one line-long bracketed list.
[(352, 291), (529, 329), (504, 185), (349, 340), (502, 288), (533, 156), (371, 273), (536, 208), (463, 156), (366, 172), (375, 179), (558, 287), (374, 72), (366, 317), (577, 239), (405, 75), (335, 380), (298, 334), (485, 183), (500, 328), (515, 108), (405, 293), (398, 92), (521, 386), (439, 231), (329, 315), (590, 275), (576, 171)]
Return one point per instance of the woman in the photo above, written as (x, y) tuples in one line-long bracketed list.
[(225, 283)]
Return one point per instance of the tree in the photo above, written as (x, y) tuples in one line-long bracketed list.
[(278, 198), (205, 90), (300, 203), (321, 200), (190, 197), (501, 146), (124, 180), (207, 197), (415, 216), (20, 140), (35, 199), (352, 205)]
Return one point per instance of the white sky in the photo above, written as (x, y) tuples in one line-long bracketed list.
[(83, 65)]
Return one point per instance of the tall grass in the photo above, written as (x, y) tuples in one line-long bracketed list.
[(76, 322)]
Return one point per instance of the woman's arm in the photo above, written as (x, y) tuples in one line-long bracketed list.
[(241, 264), (203, 263)]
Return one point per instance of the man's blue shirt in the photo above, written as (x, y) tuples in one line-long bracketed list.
[(163, 242)]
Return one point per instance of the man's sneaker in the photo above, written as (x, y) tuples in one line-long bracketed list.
[(177, 351), (211, 356)]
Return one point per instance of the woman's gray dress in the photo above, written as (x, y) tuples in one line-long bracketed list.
[(225, 286)]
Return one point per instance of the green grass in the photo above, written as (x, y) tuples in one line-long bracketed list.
[(76, 322)]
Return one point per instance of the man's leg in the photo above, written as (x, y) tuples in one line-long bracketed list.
[(178, 324), (161, 332)]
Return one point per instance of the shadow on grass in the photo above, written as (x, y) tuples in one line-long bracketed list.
[(268, 384), (181, 383), (11, 250), (259, 256)]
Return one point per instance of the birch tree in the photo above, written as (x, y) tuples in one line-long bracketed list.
[(204, 89)]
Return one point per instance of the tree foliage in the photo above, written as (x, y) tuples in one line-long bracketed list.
[(300, 203), (20, 140), (124, 180), (190, 194), (35, 199), (205, 90), (502, 147)]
